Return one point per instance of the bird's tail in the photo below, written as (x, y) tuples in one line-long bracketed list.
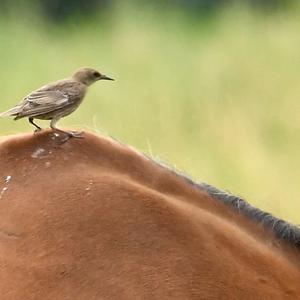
[(11, 112)]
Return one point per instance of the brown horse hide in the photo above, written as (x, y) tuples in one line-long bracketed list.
[(92, 219)]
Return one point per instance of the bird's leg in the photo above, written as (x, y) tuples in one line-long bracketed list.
[(38, 128), (69, 134)]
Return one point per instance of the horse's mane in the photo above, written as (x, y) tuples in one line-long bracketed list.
[(283, 230)]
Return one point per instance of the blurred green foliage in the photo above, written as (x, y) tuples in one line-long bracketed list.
[(215, 96), (62, 10)]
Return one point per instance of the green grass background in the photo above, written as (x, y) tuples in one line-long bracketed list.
[(215, 97)]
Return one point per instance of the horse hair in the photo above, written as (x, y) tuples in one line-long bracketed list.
[(282, 230)]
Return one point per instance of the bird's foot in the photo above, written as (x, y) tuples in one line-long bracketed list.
[(64, 136), (75, 134), (37, 130)]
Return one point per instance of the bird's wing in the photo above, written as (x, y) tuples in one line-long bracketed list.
[(42, 102)]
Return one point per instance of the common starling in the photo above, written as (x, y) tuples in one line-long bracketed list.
[(56, 100)]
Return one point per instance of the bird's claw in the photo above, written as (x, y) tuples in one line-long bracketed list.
[(37, 130), (75, 134), (64, 136)]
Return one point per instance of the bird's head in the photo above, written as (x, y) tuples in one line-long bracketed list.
[(89, 76)]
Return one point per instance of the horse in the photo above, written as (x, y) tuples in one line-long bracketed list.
[(93, 218)]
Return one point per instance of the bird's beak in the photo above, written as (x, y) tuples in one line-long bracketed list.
[(105, 78)]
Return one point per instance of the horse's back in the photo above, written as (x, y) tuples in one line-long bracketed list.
[(92, 219)]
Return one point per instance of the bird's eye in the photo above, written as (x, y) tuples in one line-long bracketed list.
[(97, 74)]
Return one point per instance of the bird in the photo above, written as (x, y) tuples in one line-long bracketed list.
[(56, 100)]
